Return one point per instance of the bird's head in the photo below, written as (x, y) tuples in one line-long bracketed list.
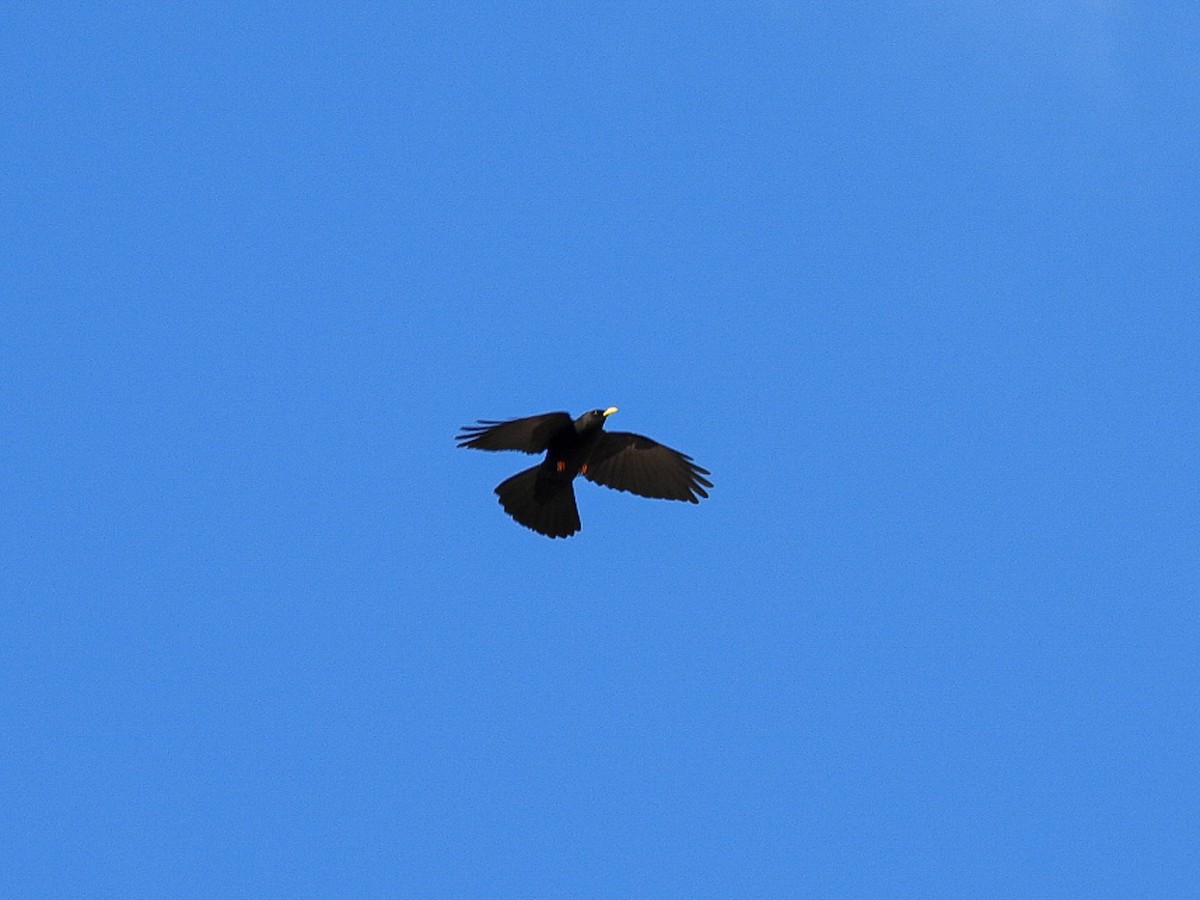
[(593, 419)]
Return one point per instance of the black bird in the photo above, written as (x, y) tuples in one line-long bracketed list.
[(542, 497)]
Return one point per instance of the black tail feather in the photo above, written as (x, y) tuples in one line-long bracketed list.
[(547, 505)]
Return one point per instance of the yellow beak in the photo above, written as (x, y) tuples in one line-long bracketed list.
[(608, 412)]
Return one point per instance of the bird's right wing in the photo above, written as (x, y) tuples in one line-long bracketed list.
[(529, 435)]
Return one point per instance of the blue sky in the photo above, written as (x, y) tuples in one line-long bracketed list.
[(916, 282)]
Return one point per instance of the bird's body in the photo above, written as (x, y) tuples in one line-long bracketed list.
[(543, 498), (568, 451)]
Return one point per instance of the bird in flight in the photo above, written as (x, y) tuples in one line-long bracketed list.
[(543, 498)]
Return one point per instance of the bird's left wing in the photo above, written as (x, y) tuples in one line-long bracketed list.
[(631, 462), (529, 435)]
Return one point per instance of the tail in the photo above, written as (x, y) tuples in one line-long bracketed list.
[(546, 505)]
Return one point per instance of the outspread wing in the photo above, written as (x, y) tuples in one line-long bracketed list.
[(631, 462), (529, 435)]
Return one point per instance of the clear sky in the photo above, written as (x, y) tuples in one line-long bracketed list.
[(917, 282)]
